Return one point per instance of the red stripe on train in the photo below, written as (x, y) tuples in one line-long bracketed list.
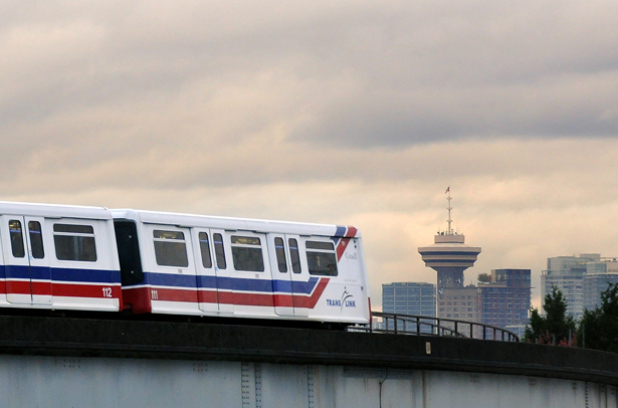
[(351, 232), (93, 291), (341, 247), (60, 289), (311, 301), (344, 242), (140, 298)]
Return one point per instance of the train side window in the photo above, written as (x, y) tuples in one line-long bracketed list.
[(321, 258), (247, 253), (36, 239), (75, 242), (17, 239), (170, 248), (131, 272), (280, 250), (219, 252), (294, 255), (205, 250)]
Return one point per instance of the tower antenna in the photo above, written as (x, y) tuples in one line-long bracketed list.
[(449, 208)]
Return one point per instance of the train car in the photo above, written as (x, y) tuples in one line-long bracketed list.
[(58, 257), (214, 266), (95, 259)]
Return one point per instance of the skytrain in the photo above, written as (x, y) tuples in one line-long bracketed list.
[(96, 259)]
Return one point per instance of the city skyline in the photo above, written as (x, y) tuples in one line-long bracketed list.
[(345, 113)]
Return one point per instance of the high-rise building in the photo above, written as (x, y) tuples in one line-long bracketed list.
[(449, 256), (459, 303), (505, 299), (597, 279), (411, 298), (567, 274)]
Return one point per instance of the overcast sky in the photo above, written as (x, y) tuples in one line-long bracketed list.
[(346, 112)]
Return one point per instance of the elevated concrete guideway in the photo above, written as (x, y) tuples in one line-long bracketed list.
[(64, 362)]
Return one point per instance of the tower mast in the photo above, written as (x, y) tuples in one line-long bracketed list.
[(449, 208)]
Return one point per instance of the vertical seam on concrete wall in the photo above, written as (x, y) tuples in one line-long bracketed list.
[(258, 385), (246, 384), (311, 386)]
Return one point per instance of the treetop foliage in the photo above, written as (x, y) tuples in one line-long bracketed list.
[(556, 327), (484, 277), (598, 328)]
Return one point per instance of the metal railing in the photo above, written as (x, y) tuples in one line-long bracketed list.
[(434, 326)]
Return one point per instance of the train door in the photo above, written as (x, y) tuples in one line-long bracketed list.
[(223, 270), (250, 273), (288, 281), (303, 287), (282, 275), (172, 276), (211, 271), (28, 275)]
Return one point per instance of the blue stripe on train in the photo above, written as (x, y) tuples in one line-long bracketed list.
[(339, 233), (287, 286), (227, 283), (60, 274)]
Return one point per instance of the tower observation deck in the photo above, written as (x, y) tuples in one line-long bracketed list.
[(449, 255)]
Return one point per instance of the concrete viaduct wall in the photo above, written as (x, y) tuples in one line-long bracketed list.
[(78, 362)]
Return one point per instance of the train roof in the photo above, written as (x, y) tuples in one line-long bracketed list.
[(230, 223), (185, 220), (54, 210)]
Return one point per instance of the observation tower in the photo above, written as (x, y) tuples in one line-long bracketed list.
[(449, 255)]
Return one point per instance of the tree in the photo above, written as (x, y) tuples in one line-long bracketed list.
[(484, 277), (556, 327), (599, 327)]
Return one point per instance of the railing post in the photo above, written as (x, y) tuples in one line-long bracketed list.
[(418, 326)]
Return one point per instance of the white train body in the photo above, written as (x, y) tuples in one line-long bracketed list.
[(245, 268), (87, 258), (58, 257)]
